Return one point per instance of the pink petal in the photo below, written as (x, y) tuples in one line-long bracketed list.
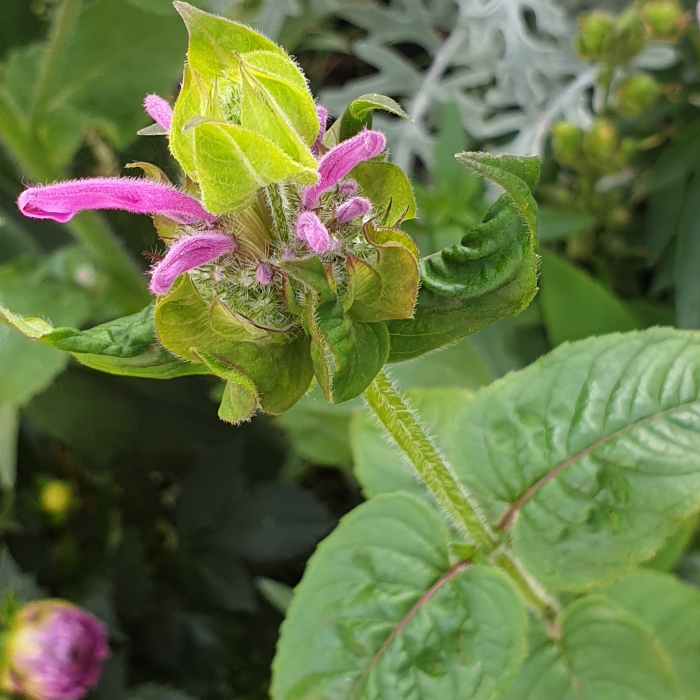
[(187, 254), (352, 209), (322, 113), (159, 110), (348, 188), (62, 201), (264, 275), (310, 228), (339, 161)]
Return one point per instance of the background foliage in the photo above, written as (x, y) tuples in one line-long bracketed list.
[(185, 535)]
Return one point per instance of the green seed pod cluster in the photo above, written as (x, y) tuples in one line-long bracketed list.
[(665, 19)]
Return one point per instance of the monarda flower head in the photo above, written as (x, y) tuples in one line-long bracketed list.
[(54, 651), (284, 256)]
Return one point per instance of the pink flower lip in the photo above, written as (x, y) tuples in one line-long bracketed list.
[(310, 228), (352, 209), (339, 161), (264, 275), (63, 200), (322, 113), (187, 254), (159, 110)]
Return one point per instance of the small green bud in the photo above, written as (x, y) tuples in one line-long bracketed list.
[(567, 142), (618, 217), (665, 19), (594, 30), (56, 498), (637, 95), (601, 142), (628, 38)]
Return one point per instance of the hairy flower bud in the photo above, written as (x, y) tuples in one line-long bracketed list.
[(353, 209), (594, 30), (665, 19), (54, 651), (159, 110), (310, 228), (637, 95)]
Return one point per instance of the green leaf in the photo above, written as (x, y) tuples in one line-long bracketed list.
[(603, 653), (382, 613), (671, 610), (396, 270), (215, 41), (576, 306), (281, 371), (277, 594), (358, 116), (26, 367), (389, 190), (590, 457), (687, 253), (232, 163), (490, 274), (9, 434), (553, 225), (127, 346)]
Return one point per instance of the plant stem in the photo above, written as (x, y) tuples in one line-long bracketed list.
[(129, 285), (398, 420), (64, 20), (400, 423)]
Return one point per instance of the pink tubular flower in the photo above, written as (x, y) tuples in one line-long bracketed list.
[(357, 206), (62, 201), (310, 228), (159, 110), (264, 275), (322, 113), (348, 188), (187, 254), (339, 161), (55, 652)]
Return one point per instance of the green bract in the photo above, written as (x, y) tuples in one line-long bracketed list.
[(281, 306)]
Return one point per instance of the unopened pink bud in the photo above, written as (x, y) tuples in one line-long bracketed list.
[(348, 188), (264, 275), (55, 651), (159, 110), (310, 228), (322, 113), (187, 254), (352, 209), (339, 161), (62, 201)]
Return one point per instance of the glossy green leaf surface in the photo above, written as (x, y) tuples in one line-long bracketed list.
[(589, 457), (382, 612), (604, 654), (671, 610)]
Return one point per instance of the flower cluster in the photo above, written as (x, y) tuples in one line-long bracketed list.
[(54, 651), (281, 230)]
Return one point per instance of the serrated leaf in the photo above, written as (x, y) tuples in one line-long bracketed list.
[(590, 457), (671, 610), (233, 163), (603, 653), (214, 41), (576, 306), (382, 613), (388, 189)]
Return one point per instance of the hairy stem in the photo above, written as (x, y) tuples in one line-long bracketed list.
[(397, 419), (33, 161), (64, 20)]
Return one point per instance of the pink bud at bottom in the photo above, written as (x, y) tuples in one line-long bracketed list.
[(348, 188), (55, 652), (310, 228), (352, 209)]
